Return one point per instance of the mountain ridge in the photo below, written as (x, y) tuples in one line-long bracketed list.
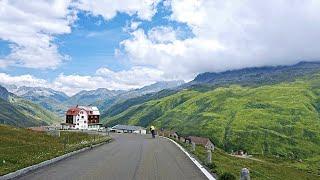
[(20, 112), (58, 102), (200, 83), (281, 119), (257, 75)]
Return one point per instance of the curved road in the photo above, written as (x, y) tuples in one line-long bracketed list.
[(129, 157)]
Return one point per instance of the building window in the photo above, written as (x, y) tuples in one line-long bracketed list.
[(78, 124), (82, 117), (85, 121)]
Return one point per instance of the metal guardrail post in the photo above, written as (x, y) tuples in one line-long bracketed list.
[(193, 146), (245, 174), (209, 159)]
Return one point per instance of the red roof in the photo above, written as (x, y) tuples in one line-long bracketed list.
[(73, 111)]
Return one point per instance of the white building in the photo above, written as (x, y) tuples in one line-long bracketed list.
[(128, 129), (82, 117)]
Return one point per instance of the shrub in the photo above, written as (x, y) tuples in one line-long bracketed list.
[(227, 176), (212, 166)]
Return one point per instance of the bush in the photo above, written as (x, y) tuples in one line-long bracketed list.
[(212, 166), (227, 176)]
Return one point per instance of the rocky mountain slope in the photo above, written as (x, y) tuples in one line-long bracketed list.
[(20, 112)]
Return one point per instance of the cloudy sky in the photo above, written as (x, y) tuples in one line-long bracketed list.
[(71, 45)]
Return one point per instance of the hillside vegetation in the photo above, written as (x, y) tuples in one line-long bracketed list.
[(12, 116), (261, 168), (34, 111), (122, 106), (257, 76), (20, 112), (44, 97), (21, 147), (280, 120)]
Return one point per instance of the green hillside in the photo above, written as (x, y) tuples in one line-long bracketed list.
[(20, 112), (12, 116), (34, 111), (281, 119), (50, 104), (122, 106)]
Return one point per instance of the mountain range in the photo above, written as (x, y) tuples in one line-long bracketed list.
[(256, 76), (89, 97), (45, 97), (21, 112), (58, 102), (269, 110)]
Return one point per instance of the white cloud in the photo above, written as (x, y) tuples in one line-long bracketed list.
[(175, 58), (162, 34), (229, 35), (71, 84), (135, 77), (144, 9), (132, 78), (29, 27), (226, 35), (134, 25), (23, 80)]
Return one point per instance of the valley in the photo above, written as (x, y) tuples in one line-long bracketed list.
[(256, 110)]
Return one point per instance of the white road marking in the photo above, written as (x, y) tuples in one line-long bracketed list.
[(203, 170)]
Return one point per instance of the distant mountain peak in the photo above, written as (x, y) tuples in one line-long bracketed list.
[(39, 91), (163, 85), (258, 75), (4, 93)]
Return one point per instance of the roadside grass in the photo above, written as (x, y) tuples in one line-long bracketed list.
[(264, 168), (21, 148)]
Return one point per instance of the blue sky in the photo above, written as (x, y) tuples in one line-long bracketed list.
[(92, 43), (74, 45)]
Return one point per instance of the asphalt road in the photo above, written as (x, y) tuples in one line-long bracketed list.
[(129, 157)]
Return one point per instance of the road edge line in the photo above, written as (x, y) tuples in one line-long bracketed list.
[(203, 170), (48, 162)]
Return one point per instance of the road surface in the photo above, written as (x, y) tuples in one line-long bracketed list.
[(129, 157)]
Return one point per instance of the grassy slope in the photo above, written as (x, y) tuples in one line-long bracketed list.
[(50, 104), (261, 168), (114, 107), (34, 111), (279, 120), (20, 147), (9, 114)]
